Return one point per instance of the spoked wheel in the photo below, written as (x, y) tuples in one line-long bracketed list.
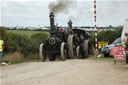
[(86, 50), (70, 46), (42, 53), (63, 51), (52, 57), (80, 52)]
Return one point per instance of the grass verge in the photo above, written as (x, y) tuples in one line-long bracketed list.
[(102, 59), (17, 57)]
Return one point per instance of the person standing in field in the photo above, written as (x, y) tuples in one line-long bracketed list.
[(1, 48)]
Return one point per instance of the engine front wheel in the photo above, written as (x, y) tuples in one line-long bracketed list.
[(80, 52), (63, 51), (86, 49), (70, 47), (42, 52)]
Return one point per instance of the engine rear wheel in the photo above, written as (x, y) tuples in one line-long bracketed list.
[(42, 52), (80, 52), (63, 51), (86, 50), (70, 46)]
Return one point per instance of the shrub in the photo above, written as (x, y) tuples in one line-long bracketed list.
[(3, 33), (107, 35), (23, 44), (36, 40), (18, 46), (18, 43), (92, 40)]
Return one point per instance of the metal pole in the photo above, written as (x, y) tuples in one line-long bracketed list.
[(95, 27)]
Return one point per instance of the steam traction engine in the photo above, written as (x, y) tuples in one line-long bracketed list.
[(78, 44), (70, 43), (55, 44)]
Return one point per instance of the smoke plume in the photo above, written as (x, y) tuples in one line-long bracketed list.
[(61, 6)]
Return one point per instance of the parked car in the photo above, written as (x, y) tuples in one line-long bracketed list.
[(107, 49)]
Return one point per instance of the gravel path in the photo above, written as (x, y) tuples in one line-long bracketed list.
[(70, 72)]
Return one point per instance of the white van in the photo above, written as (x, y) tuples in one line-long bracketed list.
[(125, 29)]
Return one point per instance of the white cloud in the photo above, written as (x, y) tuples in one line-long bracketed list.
[(0, 13), (4, 4), (34, 13)]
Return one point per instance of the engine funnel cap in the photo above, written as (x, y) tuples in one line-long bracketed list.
[(70, 22), (51, 15)]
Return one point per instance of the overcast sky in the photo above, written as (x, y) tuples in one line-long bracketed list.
[(32, 13)]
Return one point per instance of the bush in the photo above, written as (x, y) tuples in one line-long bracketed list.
[(18, 47), (3, 33), (36, 40), (23, 44), (18, 43), (107, 35)]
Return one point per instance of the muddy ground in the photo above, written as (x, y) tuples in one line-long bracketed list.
[(70, 72)]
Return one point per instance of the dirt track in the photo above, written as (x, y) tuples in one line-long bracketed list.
[(70, 72)]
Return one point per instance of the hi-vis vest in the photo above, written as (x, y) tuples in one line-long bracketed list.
[(125, 41), (1, 45)]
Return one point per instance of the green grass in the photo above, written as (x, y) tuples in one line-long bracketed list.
[(27, 33), (102, 59), (20, 61)]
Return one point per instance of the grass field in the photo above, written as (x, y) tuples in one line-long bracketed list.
[(27, 33)]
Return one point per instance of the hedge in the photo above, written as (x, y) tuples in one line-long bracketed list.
[(27, 45), (20, 43), (108, 35)]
